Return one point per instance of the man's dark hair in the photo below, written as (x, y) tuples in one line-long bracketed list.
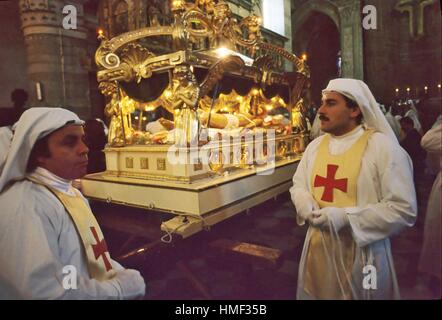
[(40, 149), (352, 105), (95, 138), (19, 97)]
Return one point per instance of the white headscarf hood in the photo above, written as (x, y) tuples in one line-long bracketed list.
[(358, 91), (34, 124)]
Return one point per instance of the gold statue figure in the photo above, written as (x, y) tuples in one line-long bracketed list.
[(112, 111), (185, 94), (299, 121)]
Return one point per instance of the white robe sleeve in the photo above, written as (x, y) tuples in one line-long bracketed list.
[(31, 267), (396, 207), (432, 140), (300, 191), (5, 142)]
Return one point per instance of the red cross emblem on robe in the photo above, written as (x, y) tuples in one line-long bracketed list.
[(329, 183), (100, 249)]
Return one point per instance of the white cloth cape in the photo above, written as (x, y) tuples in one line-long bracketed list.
[(386, 203), (38, 239), (430, 259), (5, 142)]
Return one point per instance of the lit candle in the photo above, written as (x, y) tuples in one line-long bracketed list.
[(426, 89), (397, 92), (408, 91), (100, 33)]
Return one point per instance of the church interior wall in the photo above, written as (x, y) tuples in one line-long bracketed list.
[(393, 59), (12, 53), (387, 57)]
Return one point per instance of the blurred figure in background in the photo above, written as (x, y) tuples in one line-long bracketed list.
[(9, 116), (412, 144), (95, 139), (430, 259)]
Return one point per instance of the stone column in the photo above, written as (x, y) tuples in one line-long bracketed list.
[(56, 56), (288, 32), (351, 38)]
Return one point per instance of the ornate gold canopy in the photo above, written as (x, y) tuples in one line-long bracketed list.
[(198, 31)]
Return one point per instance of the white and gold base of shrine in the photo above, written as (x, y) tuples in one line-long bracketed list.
[(186, 165), (197, 205), (199, 196)]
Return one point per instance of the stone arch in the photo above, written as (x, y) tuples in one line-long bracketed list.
[(346, 15), (319, 38), (301, 15)]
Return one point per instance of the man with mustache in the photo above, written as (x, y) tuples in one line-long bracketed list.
[(354, 186), (51, 246)]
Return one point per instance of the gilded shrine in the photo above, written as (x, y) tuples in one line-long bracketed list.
[(204, 131)]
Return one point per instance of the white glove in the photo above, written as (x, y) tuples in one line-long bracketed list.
[(131, 283), (329, 215), (304, 204)]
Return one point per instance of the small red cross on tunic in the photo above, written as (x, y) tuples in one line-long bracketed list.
[(329, 183), (100, 249)]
